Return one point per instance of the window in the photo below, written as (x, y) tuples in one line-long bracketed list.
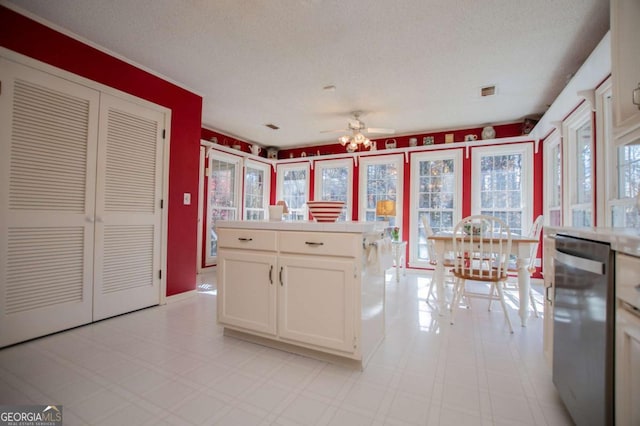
[(256, 190), (380, 179), (624, 212), (502, 184), (436, 188), (578, 164), (223, 193), (293, 188), (553, 180), (333, 182), (622, 171)]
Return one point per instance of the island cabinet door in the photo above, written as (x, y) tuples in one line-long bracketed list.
[(247, 290), (317, 301)]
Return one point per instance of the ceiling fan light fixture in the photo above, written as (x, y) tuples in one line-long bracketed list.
[(356, 138)]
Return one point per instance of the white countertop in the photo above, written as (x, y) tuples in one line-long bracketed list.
[(625, 240), (310, 226)]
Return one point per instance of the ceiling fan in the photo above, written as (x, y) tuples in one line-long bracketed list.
[(357, 128)]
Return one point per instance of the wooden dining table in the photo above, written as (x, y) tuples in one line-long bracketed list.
[(520, 248)]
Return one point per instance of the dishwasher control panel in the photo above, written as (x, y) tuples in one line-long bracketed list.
[(628, 279)]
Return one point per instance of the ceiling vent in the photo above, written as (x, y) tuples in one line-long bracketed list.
[(272, 126), (488, 91)]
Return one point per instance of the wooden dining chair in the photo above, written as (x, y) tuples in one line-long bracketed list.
[(481, 248), (512, 267)]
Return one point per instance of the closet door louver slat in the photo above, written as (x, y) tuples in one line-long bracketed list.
[(32, 180), (32, 266), (128, 258)]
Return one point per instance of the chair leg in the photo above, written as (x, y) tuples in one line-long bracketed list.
[(492, 292), (458, 288), (430, 292), (533, 303), (490, 298), (504, 306)]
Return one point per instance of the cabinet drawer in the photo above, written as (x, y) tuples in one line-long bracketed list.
[(321, 243), (249, 239), (628, 278)]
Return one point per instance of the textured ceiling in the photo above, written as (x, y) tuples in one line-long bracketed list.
[(411, 65)]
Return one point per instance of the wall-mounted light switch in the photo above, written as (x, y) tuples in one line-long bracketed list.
[(187, 199)]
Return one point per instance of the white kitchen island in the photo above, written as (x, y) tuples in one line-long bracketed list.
[(304, 287)]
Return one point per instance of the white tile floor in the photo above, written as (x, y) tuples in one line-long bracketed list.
[(171, 365)]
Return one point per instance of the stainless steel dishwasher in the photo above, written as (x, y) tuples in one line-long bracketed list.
[(583, 329)]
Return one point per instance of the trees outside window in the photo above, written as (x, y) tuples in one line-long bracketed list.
[(223, 195), (436, 192), (502, 184), (293, 188)]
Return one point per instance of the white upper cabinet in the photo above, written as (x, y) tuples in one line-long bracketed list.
[(625, 64)]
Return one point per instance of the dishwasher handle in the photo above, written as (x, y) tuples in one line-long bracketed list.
[(581, 263)]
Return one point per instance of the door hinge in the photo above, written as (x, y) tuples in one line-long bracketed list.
[(355, 342), (355, 271), (160, 274)]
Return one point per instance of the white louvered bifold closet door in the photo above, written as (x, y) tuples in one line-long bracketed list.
[(128, 211), (48, 144)]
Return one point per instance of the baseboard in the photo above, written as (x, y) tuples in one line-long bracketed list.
[(181, 296)]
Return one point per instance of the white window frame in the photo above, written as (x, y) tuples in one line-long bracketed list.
[(395, 159), (331, 164), (526, 150), (605, 150), (570, 126), (221, 156), (607, 167), (552, 145), (266, 186), (281, 170), (414, 224)]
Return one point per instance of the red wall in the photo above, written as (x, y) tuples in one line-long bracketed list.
[(25, 36), (502, 131)]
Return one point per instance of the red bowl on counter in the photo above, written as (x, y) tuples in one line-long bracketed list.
[(325, 211)]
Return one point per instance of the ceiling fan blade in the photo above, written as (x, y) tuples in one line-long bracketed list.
[(335, 131), (379, 130)]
